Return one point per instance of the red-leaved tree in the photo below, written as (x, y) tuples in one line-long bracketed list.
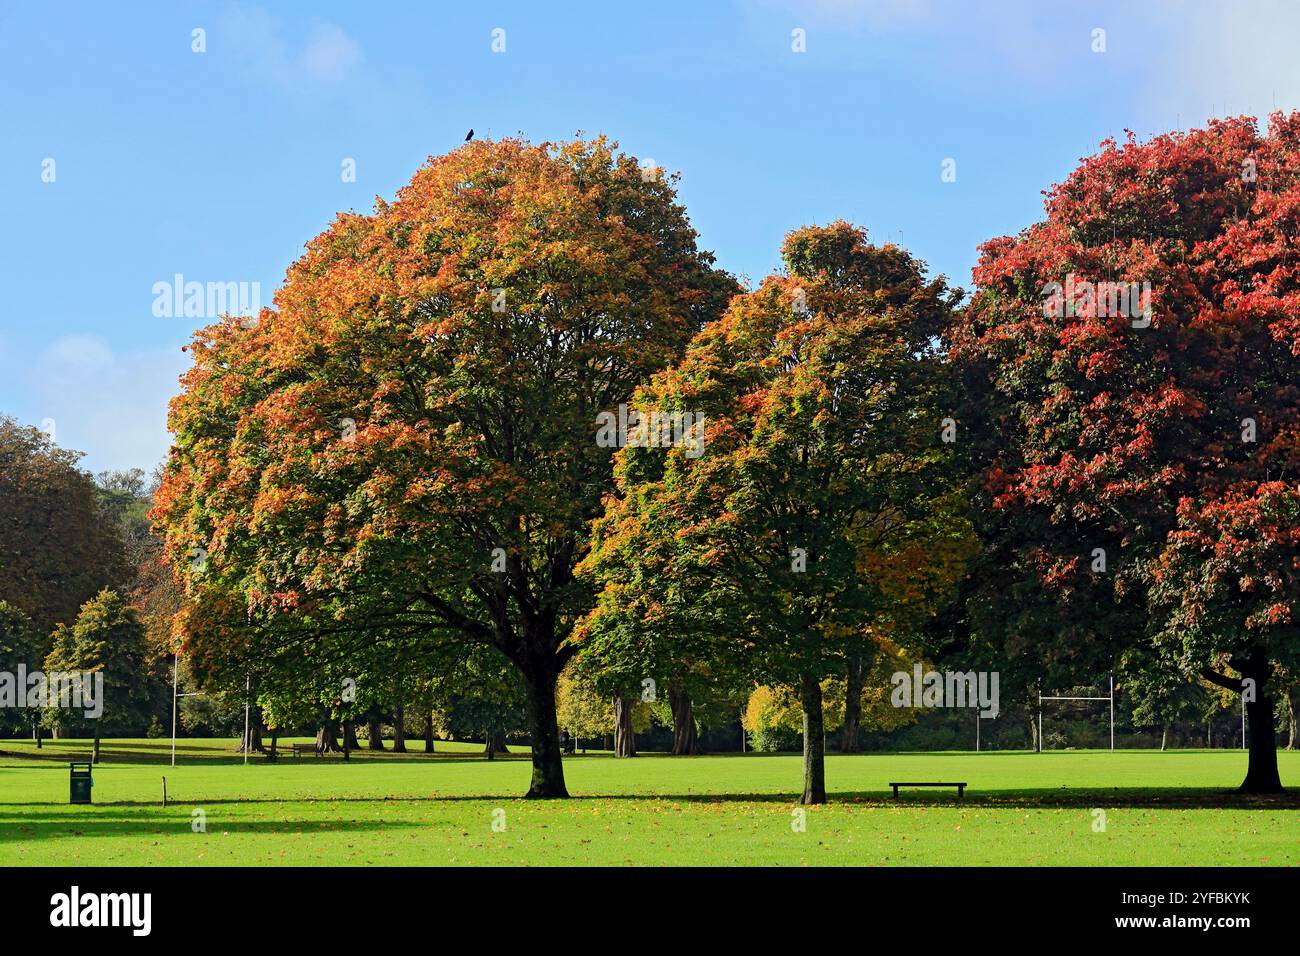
[(1133, 364)]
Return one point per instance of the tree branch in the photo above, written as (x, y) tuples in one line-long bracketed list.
[(1221, 680)]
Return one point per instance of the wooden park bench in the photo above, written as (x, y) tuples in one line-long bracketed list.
[(300, 749), (961, 787)]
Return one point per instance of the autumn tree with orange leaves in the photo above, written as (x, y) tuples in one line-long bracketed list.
[(403, 450)]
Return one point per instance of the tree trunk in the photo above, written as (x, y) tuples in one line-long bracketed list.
[(1290, 718), (399, 729), (852, 705), (1261, 767), (428, 732), (253, 741), (494, 742), (624, 738), (95, 758), (374, 734), (685, 740), (544, 730), (37, 731), (1261, 771), (326, 741), (814, 741), (1164, 738), (350, 741)]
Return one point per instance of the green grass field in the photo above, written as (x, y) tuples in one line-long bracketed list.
[(1170, 808)]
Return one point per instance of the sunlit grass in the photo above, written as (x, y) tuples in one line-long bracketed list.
[(1171, 808)]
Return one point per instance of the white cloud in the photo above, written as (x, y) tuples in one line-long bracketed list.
[(1025, 37), (112, 406), (322, 55), (1181, 61), (330, 54), (75, 354)]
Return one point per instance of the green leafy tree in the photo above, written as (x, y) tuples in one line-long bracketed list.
[(57, 547), (107, 639), (1158, 693), (823, 398), (583, 711), (479, 694), (20, 644), (125, 497)]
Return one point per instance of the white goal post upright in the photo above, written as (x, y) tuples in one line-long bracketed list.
[(176, 665), (1111, 699), (247, 741)]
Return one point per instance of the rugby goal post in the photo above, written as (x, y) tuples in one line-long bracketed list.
[(176, 696), (1111, 699)]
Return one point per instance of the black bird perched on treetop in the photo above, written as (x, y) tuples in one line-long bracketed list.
[(469, 136)]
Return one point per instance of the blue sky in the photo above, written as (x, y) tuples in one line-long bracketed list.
[(220, 165)]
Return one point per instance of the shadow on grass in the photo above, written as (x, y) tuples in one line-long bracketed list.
[(1136, 798), (205, 758), (194, 754), (56, 828)]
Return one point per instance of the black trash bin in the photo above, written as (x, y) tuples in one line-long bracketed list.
[(80, 782)]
